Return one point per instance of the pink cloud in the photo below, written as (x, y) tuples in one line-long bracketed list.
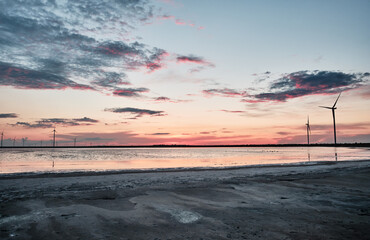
[(180, 22)]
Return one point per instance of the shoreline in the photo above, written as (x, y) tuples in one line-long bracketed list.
[(23, 175)]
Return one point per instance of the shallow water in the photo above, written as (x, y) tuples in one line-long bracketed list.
[(105, 159)]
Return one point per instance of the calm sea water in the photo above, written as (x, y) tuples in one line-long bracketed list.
[(104, 159)]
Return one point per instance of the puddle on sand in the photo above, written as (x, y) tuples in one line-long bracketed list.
[(180, 215)]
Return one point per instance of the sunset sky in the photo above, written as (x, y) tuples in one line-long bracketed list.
[(137, 72)]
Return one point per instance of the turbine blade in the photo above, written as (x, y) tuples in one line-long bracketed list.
[(337, 100), (325, 107)]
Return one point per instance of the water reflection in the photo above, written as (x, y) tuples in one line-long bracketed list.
[(44, 160)]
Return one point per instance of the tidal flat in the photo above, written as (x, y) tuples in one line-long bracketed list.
[(325, 201)]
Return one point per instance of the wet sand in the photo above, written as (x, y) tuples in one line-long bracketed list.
[(329, 201)]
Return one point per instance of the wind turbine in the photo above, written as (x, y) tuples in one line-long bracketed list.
[(2, 136), (308, 130), (74, 140), (333, 111), (54, 131), (13, 141)]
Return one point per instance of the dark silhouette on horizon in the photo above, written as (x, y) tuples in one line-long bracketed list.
[(54, 131), (333, 111), (2, 136), (308, 130)]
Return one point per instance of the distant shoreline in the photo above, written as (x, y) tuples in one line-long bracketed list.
[(208, 146), (23, 175)]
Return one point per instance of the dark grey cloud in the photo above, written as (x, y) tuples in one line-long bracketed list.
[(110, 79), (33, 125), (18, 77), (162, 99), (136, 111), (129, 92), (85, 119), (8, 115), (53, 122), (225, 92), (117, 49), (298, 84), (68, 44), (304, 83), (160, 133), (194, 60), (190, 58)]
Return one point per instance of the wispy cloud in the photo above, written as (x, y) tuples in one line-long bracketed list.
[(130, 92), (8, 115), (232, 111), (138, 112), (192, 59), (169, 100), (159, 134), (85, 119), (52, 122), (224, 92)]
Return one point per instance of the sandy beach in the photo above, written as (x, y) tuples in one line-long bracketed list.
[(327, 201)]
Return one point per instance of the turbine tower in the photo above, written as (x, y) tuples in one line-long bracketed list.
[(2, 137), (74, 142), (54, 131), (308, 130), (333, 111), (13, 141)]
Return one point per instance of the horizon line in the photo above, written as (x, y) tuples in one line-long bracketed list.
[(205, 145)]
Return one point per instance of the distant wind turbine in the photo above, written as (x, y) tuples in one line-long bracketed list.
[(74, 140), (308, 130), (13, 141), (23, 141), (333, 111), (54, 131), (2, 136)]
